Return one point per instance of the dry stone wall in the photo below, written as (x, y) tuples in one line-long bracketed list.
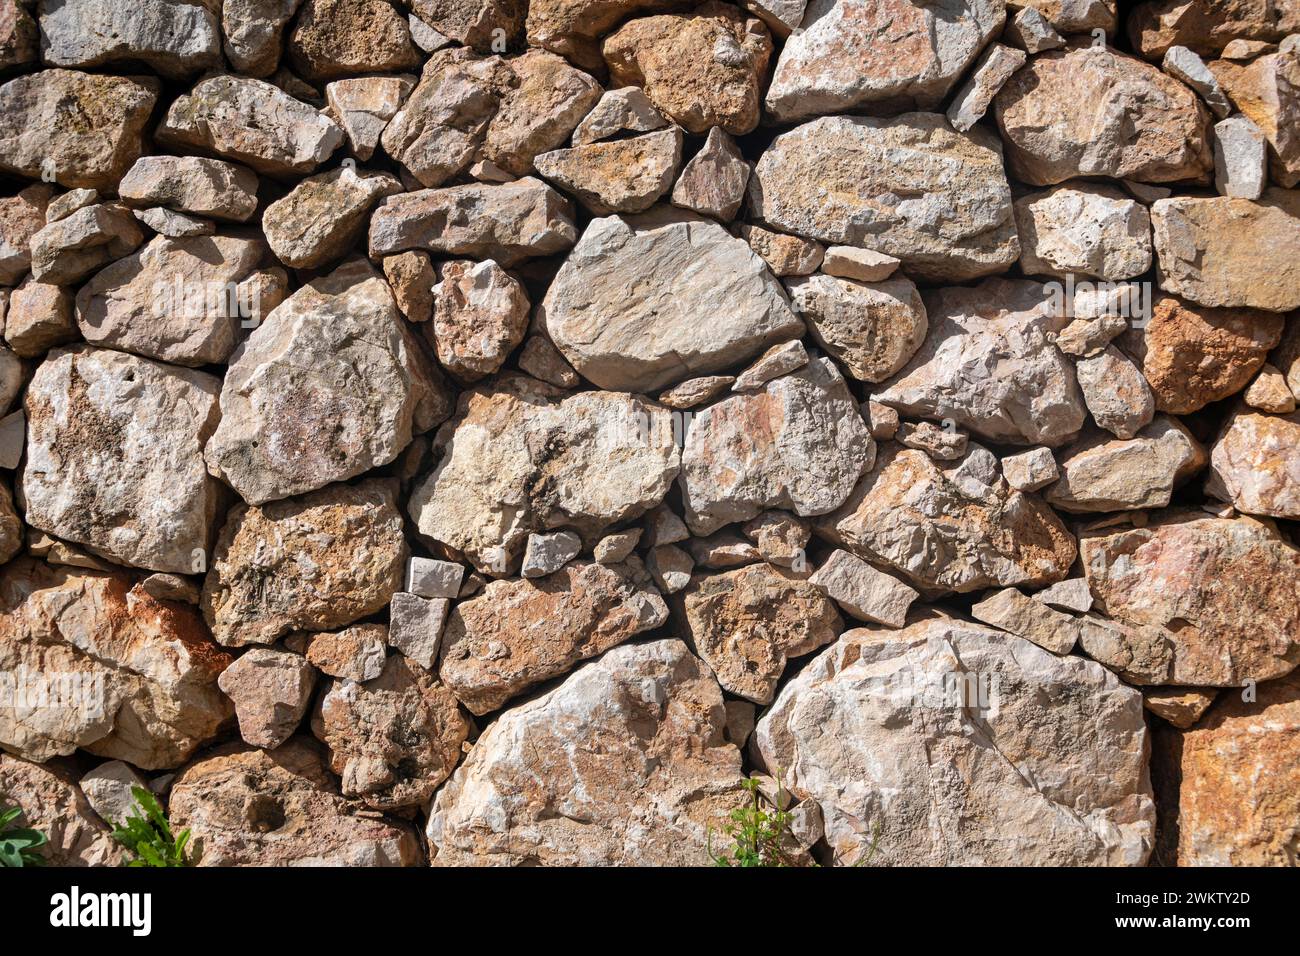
[(462, 432)]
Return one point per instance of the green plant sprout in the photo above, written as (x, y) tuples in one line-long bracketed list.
[(19, 846), (147, 835)]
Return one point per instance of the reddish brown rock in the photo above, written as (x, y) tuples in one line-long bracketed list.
[(52, 803), (1207, 26)]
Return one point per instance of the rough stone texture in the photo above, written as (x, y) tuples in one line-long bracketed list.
[(899, 54), (411, 278), (747, 623), (1031, 31), (781, 359), (52, 803), (623, 176), (114, 457), (1185, 65), (989, 75), (430, 578), (1103, 473), (521, 632), (1240, 159), (659, 775), (1237, 801), (547, 553), (784, 255), (415, 627), (701, 69), (865, 265), (1115, 392), (1230, 252), (247, 807), (1096, 112), (1219, 592), (1074, 16), (950, 526), (271, 690), (952, 782), (625, 110), (94, 151), (251, 122), (22, 215), (1030, 470), (138, 675), (39, 318), (713, 182), (1255, 463), (989, 364), (314, 563), (510, 222), (107, 789), (174, 38), (862, 591), (324, 216), (1192, 356), (68, 250), (175, 300), (1180, 706), (751, 452), (254, 33), (1270, 392), (330, 385), (337, 38), (20, 38), (1083, 230), (364, 105), (521, 456), (481, 24), (1207, 27), (1267, 91), (1071, 595), (841, 179), (353, 654), (662, 326), (1011, 611), (393, 739), (873, 328)]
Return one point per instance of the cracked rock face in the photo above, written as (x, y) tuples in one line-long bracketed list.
[(909, 187), (636, 769), (314, 563), (751, 452), (633, 306), (331, 385), (521, 632), (1222, 591), (114, 457), (950, 526), (959, 779), (248, 807), (520, 456), (52, 802), (137, 677), (392, 739), (1255, 464), (990, 365)]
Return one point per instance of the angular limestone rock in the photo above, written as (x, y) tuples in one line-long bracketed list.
[(1255, 464), (842, 179), (174, 37), (114, 457), (324, 216), (329, 386), (254, 33), (1267, 91), (68, 250), (701, 69), (1230, 252), (176, 300), (646, 301), (1219, 592), (987, 78), (271, 690), (1115, 392), (1103, 473), (873, 328), (666, 773), (521, 456), (864, 592), (480, 315), (521, 632), (1083, 230), (713, 182), (134, 678), (247, 807), (989, 364), (752, 451), (994, 706), (1016, 614), (393, 739), (337, 38), (950, 526), (746, 624), (314, 563), (22, 215), (364, 105), (892, 55), (510, 222), (91, 152), (1240, 159), (1089, 111), (53, 804), (251, 122), (625, 175)]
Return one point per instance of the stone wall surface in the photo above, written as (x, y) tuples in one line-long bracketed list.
[(485, 432)]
